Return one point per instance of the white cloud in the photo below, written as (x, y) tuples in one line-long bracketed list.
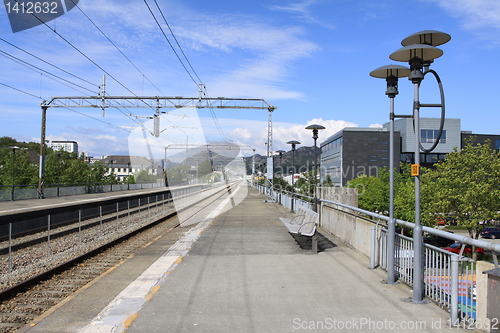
[(255, 133), (474, 14), (303, 11), (264, 54)]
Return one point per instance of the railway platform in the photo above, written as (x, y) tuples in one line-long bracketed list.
[(9, 208), (239, 270)]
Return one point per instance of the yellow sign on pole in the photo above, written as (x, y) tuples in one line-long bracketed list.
[(415, 169)]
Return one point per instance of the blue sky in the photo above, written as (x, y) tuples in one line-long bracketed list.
[(311, 59)]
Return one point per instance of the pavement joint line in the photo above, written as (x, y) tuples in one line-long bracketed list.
[(116, 316)]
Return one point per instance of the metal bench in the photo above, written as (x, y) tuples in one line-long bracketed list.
[(304, 224)]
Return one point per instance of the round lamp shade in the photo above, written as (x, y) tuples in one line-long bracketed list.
[(315, 127), (422, 51), (428, 37), (390, 70), (293, 142)]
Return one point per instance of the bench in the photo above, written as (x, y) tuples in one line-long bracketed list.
[(304, 224)]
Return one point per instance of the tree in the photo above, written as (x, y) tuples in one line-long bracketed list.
[(467, 186), (305, 184), (17, 164), (373, 192), (144, 177), (7, 141), (282, 184), (328, 182)]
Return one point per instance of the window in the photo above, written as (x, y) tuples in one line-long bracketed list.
[(430, 136), (497, 144)]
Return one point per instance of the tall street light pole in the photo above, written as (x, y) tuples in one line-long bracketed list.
[(315, 128), (128, 175), (13, 197), (294, 143), (58, 171), (391, 73), (420, 51), (89, 158)]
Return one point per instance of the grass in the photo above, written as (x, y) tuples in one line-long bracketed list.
[(455, 227)]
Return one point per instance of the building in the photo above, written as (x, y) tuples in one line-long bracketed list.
[(354, 151), (429, 130), (123, 166), (481, 138), (69, 146)]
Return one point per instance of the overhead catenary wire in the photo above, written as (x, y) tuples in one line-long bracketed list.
[(169, 43), (100, 67), (87, 57), (177, 42), (39, 70), (131, 116), (48, 63), (119, 50), (22, 91), (69, 109), (198, 83)]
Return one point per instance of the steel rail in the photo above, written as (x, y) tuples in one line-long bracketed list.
[(11, 291)]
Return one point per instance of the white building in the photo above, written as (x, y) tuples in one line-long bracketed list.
[(69, 146)]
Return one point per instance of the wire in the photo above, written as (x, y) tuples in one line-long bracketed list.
[(169, 43), (24, 92), (87, 57), (102, 32), (201, 85), (78, 112), (28, 65), (48, 63), (177, 42)]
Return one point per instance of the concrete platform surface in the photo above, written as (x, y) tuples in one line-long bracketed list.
[(243, 272)]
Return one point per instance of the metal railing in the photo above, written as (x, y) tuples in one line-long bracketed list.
[(21, 192), (287, 199), (449, 278), (93, 225)]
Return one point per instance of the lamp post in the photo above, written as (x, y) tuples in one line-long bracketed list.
[(280, 152), (111, 173), (58, 171), (419, 51), (89, 158), (391, 73), (253, 167), (294, 143), (315, 128), (13, 197), (128, 175)]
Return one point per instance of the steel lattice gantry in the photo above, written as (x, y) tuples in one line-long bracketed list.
[(155, 103)]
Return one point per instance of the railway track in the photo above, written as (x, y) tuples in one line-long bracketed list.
[(29, 299)]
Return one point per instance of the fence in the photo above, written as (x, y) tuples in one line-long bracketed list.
[(449, 279), (20, 192), (288, 199), (49, 238)]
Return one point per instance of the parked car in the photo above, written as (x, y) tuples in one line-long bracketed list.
[(457, 247), (438, 241), (493, 232), (440, 221)]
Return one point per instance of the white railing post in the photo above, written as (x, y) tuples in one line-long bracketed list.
[(373, 245), (454, 291)]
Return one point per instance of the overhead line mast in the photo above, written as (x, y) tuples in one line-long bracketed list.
[(151, 102)]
